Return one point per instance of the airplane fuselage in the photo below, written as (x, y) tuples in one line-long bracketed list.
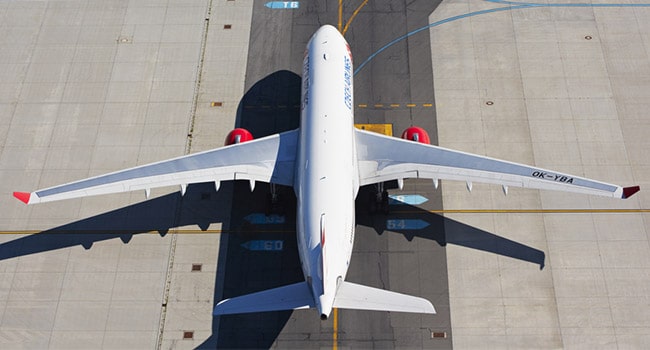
[(326, 178)]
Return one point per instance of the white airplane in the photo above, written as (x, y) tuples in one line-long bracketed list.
[(326, 160)]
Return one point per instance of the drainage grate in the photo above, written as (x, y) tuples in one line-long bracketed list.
[(438, 335), (188, 334), (196, 267)]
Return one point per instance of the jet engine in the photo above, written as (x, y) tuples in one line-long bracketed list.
[(238, 135), (417, 134)]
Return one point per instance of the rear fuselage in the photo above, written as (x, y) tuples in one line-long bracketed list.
[(326, 179)]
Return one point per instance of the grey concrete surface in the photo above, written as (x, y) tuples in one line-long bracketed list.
[(91, 87), (563, 82), (88, 87)]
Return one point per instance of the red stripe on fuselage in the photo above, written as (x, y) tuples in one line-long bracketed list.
[(322, 249)]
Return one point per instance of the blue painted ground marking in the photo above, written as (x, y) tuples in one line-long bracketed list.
[(283, 4), (406, 224), (511, 5), (262, 245), (403, 199), (262, 219)]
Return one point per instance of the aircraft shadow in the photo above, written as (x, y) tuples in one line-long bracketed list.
[(158, 214), (454, 232), (270, 106), (243, 269)]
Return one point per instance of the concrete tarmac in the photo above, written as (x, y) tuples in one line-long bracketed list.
[(89, 87)]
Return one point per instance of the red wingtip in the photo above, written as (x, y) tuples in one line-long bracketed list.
[(629, 191), (23, 196)]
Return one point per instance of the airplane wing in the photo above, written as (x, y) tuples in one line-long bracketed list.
[(268, 159), (383, 158)]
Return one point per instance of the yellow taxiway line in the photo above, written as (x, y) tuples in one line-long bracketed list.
[(354, 14), (525, 211), (335, 332), (340, 14)]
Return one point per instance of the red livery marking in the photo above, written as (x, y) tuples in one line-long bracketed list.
[(322, 230), (322, 249), (347, 46), (629, 191), (23, 196)]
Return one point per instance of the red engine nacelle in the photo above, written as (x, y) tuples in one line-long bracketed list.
[(238, 135), (417, 134)]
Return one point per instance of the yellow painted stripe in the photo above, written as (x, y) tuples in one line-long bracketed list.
[(354, 14), (409, 105), (335, 333), (526, 211), (123, 232), (340, 15), (386, 129)]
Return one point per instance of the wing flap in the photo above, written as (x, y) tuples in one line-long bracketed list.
[(383, 158), (359, 297), (269, 159)]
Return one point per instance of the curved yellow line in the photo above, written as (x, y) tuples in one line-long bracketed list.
[(354, 14), (335, 333), (340, 14)]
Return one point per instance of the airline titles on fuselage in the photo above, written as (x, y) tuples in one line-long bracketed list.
[(305, 81), (347, 80)]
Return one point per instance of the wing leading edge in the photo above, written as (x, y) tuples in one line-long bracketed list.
[(268, 159), (383, 158)]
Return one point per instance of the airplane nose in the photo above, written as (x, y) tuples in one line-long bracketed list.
[(327, 31), (323, 317), (327, 28)]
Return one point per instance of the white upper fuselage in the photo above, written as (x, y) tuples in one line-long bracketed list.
[(326, 178)]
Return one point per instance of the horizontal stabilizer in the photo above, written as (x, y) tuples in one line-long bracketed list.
[(358, 297), (291, 297)]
